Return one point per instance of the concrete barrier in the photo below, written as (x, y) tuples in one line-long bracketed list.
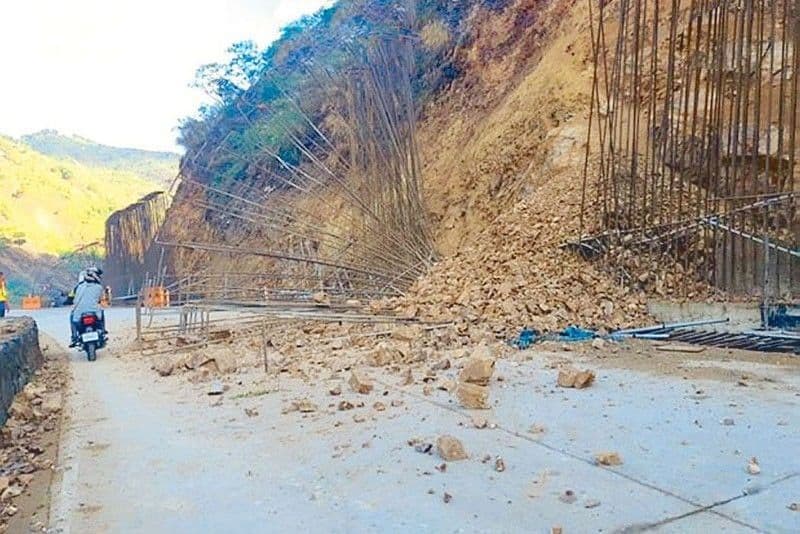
[(743, 316), (20, 357)]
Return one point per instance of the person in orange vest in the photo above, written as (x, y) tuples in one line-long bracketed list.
[(3, 295), (105, 300)]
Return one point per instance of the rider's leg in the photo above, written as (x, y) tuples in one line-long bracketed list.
[(74, 329)]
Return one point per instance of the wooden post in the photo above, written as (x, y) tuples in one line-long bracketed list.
[(139, 316), (765, 288), (264, 352)]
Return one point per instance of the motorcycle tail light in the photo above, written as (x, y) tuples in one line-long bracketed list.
[(88, 320)]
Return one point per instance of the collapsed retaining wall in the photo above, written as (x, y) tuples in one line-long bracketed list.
[(20, 357)]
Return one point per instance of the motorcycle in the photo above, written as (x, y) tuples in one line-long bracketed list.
[(92, 334)]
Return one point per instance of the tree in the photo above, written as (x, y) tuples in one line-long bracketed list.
[(227, 81)]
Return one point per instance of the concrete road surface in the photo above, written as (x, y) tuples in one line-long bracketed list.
[(146, 454)]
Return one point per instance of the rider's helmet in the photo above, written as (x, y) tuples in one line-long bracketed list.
[(93, 274)]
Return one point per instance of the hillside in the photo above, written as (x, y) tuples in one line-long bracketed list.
[(504, 117), (158, 167), (52, 206), (501, 93)]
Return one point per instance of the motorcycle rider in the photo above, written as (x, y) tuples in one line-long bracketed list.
[(88, 294)]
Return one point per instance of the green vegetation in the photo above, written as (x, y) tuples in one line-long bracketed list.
[(158, 167), (53, 206), (249, 131)]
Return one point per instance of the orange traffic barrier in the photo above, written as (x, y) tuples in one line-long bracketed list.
[(156, 297), (32, 302)]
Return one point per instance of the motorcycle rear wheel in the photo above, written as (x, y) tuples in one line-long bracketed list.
[(91, 351)]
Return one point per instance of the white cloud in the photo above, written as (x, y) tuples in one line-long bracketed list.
[(118, 71)]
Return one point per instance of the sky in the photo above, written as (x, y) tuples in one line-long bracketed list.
[(118, 71)]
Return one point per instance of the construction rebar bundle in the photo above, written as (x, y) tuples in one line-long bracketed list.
[(338, 206), (693, 137)]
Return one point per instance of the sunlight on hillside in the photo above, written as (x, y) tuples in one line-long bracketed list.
[(50, 205)]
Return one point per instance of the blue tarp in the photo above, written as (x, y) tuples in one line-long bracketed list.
[(571, 334)]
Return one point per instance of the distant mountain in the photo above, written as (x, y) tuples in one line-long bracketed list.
[(55, 205), (158, 167)]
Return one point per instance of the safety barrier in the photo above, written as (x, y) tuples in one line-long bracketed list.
[(156, 297), (32, 302)]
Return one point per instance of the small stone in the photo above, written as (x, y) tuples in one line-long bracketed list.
[(608, 458), (216, 388), (556, 530), (499, 465), (752, 466), (598, 343), (335, 391), (379, 406), (424, 447), (164, 365), (305, 406), (10, 493), (727, 421), (479, 422), (384, 355), (408, 378), (441, 366), (537, 429), (450, 449), (794, 507), (359, 418), (251, 412), (447, 497), (34, 391), (20, 410), (396, 403), (568, 497), (52, 403), (345, 405), (591, 504), (360, 384), (448, 385)]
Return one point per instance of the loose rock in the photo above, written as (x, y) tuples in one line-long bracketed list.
[(450, 449), (473, 396), (360, 384), (479, 422), (608, 458), (572, 378), (752, 466), (499, 465), (568, 497), (478, 370)]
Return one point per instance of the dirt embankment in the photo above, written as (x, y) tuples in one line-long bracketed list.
[(29, 438)]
